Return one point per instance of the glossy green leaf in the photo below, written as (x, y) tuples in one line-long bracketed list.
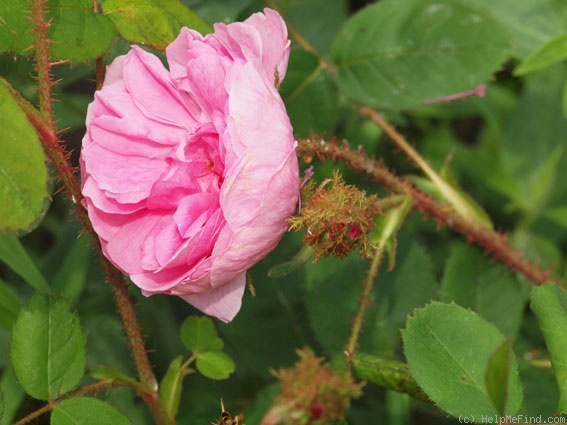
[(15, 26), (86, 411), (171, 387), (497, 375), (48, 348), (9, 306), (474, 281), (398, 54), (13, 254), (152, 22), (78, 33), (549, 304), (553, 51), (310, 94), (215, 365), (199, 335), (451, 370), (23, 172), (387, 373)]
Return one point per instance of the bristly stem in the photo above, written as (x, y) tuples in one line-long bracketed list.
[(97, 386), (42, 120), (363, 303), (492, 241), (40, 29)]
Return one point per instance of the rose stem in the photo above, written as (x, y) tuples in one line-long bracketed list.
[(492, 241), (94, 387), (363, 304), (43, 122)]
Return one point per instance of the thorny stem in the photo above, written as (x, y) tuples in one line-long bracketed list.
[(492, 241), (42, 120), (363, 304), (97, 386), (40, 29)]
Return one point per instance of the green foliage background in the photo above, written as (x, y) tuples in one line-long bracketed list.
[(508, 150)]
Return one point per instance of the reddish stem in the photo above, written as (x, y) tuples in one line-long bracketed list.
[(492, 241)]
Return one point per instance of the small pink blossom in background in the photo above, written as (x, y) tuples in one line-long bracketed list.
[(189, 174)]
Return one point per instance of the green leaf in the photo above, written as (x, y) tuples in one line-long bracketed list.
[(78, 33), (387, 373), (86, 411), (215, 365), (13, 254), (13, 396), (23, 173), (398, 54), (199, 335), (555, 50), (530, 22), (15, 26), (152, 22), (549, 304), (449, 368), (310, 95), (472, 280), (171, 387), (107, 373), (48, 348), (497, 375), (9, 306)]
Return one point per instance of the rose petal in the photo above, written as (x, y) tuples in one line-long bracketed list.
[(222, 302)]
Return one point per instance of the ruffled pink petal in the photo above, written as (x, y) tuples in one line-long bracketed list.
[(258, 124), (189, 174), (153, 91), (262, 36), (199, 70), (222, 302)]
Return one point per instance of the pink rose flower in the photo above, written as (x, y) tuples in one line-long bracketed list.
[(189, 174)]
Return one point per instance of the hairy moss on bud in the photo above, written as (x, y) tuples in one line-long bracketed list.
[(337, 218), (311, 393)]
